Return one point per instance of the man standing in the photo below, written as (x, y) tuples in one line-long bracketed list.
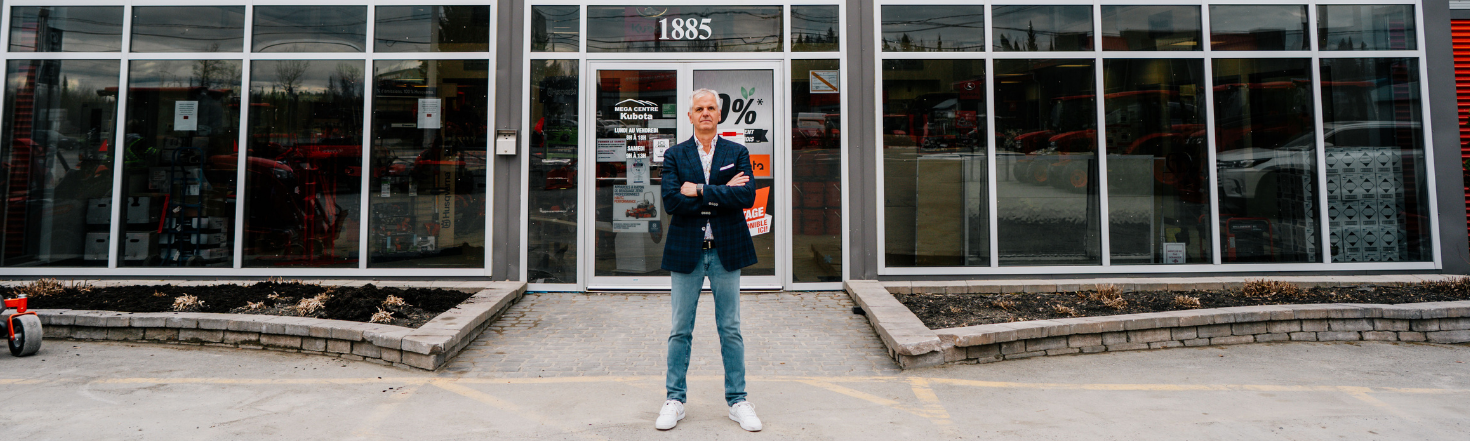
[(706, 185)]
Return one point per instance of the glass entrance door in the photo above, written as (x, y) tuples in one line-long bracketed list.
[(638, 111)]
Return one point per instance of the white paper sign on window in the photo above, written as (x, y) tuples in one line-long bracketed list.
[(186, 116), (428, 113)]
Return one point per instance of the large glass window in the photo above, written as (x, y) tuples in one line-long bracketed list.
[(180, 149), (814, 28), (923, 28), (1158, 197), (66, 29), (1266, 160), (684, 28), (1046, 163), (556, 28), (1259, 28), (934, 163), (551, 254), (1377, 178), (188, 29), (429, 140), (1042, 28), (56, 148), (304, 171), (1150, 28), (309, 29), (1366, 28), (816, 172), (464, 28)]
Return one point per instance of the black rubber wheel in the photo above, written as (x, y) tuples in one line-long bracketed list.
[(27, 338)]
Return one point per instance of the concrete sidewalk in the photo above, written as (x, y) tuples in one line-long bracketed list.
[(78, 390)]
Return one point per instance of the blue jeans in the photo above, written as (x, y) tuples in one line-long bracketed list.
[(685, 295)]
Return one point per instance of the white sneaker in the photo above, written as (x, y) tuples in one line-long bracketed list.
[(744, 414), (670, 414)]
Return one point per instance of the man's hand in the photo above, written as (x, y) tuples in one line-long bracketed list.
[(739, 180), (689, 189)]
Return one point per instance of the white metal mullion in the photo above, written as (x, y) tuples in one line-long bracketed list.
[(119, 134), (365, 196), (586, 194), (1213, 185), (524, 158), (843, 104), (1426, 133), (1323, 226), (1105, 240), (242, 151), (782, 171), (992, 217), (490, 127), (879, 180)]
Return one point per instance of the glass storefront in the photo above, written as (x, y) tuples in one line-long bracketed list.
[(1149, 150), (1003, 137), (301, 81)]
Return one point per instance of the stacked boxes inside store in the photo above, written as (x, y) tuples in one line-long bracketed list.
[(819, 200), (1365, 196), (1296, 204)]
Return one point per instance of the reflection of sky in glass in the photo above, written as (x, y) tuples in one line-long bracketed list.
[(636, 29), (1366, 27), (555, 28), (309, 29), (930, 28), (1287, 21), (188, 29), (304, 76), (84, 29), (84, 75), (1151, 28), (1055, 28), (215, 74), (810, 26), (412, 28)]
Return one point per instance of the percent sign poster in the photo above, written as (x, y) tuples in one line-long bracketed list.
[(747, 109)]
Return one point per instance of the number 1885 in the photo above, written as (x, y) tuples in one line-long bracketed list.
[(691, 29)]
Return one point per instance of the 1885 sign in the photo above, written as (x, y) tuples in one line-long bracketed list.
[(684, 28)]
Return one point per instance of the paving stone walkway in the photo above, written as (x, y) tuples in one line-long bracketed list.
[(581, 334)]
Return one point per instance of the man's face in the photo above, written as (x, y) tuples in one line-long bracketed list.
[(704, 113)]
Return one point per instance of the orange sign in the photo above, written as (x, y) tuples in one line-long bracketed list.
[(761, 165), (756, 218)]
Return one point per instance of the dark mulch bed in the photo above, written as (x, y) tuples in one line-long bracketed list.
[(954, 310), (271, 298)]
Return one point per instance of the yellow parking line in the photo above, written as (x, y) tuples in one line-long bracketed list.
[(449, 385)]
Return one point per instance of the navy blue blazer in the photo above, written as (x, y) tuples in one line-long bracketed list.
[(721, 206)]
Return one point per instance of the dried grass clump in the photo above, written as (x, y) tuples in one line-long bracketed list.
[(1004, 305), (1186, 302), (159, 294), (1110, 296), (1061, 309), (255, 306), (311, 305), (1459, 285), (275, 296), (40, 288), (187, 303), (1263, 288), (394, 302), (382, 316)]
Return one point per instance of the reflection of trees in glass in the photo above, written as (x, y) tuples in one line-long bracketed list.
[(922, 29)]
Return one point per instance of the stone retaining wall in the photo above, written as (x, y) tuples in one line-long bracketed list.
[(427, 347), (914, 345)]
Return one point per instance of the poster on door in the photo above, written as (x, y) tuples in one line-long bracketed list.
[(756, 218), (747, 106), (635, 203)]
